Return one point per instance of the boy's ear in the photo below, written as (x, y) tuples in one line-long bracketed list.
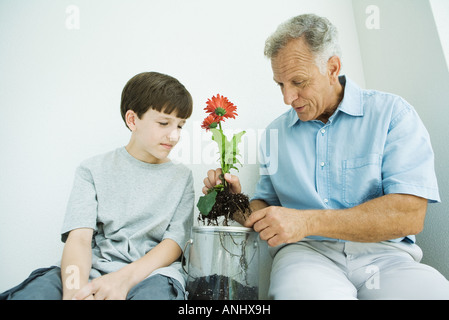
[(130, 118)]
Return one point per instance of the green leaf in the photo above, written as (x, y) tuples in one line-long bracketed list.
[(233, 152), (206, 202), (228, 150), (220, 139)]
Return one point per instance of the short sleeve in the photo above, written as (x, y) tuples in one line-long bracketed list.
[(408, 161), (182, 220), (265, 191), (81, 209)]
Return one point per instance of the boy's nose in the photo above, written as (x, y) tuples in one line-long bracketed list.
[(174, 135)]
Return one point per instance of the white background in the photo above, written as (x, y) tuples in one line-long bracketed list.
[(60, 93)]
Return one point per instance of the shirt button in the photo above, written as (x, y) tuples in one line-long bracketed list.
[(325, 200), (323, 130), (322, 164)]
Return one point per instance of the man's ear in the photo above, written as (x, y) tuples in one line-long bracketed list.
[(333, 69), (130, 118)]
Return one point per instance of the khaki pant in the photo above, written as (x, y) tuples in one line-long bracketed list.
[(351, 270)]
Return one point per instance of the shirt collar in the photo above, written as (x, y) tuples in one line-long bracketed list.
[(351, 103), (352, 99)]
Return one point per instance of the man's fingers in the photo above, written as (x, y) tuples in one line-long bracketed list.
[(234, 182), (258, 220), (212, 179), (231, 179), (255, 217)]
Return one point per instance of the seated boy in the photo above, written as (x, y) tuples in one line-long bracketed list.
[(130, 210)]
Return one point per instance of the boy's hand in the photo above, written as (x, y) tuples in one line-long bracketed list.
[(112, 286), (213, 178)]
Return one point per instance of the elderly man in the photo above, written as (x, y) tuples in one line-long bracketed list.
[(341, 200)]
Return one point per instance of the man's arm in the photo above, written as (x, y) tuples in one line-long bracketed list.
[(76, 261), (258, 205), (388, 217)]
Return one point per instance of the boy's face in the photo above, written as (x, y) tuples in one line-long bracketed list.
[(154, 135)]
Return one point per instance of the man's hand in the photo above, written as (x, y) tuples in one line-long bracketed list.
[(213, 178), (278, 225), (388, 217), (112, 286)]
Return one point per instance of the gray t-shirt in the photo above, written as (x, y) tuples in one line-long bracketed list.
[(131, 206)]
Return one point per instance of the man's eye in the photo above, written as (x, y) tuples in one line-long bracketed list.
[(179, 127), (163, 123)]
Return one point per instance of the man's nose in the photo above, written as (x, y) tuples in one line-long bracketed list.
[(290, 95)]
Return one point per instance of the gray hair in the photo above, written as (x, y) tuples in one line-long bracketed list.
[(319, 33)]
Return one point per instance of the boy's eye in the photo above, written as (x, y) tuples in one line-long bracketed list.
[(163, 123), (179, 127)]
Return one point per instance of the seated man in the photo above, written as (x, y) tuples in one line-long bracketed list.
[(341, 200)]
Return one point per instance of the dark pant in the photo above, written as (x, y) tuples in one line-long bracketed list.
[(46, 284)]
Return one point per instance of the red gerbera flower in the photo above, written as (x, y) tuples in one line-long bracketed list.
[(210, 122), (220, 106)]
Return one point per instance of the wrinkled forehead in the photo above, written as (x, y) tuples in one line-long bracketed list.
[(294, 55), (296, 48)]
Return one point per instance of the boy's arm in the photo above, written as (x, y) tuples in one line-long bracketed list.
[(162, 255), (116, 285), (76, 261)]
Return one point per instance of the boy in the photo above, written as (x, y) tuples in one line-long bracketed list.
[(130, 210)]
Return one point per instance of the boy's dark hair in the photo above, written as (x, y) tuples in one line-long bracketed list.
[(153, 90)]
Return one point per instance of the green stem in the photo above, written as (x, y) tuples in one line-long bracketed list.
[(223, 150), (222, 156)]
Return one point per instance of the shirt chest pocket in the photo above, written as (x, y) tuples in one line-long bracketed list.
[(362, 179)]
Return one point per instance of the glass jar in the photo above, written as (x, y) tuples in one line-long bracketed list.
[(223, 263)]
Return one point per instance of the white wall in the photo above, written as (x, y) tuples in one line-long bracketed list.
[(60, 93), (405, 56), (440, 10)]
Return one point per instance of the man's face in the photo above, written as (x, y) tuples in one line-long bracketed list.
[(303, 86)]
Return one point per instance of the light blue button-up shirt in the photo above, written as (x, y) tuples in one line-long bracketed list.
[(374, 144)]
